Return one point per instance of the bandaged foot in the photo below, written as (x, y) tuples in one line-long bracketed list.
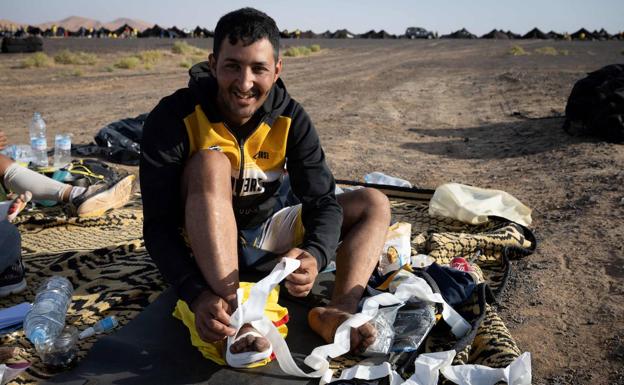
[(249, 340), (18, 204), (325, 320)]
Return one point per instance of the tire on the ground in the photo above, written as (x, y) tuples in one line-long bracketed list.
[(22, 44)]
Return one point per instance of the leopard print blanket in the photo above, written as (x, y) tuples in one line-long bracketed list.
[(106, 261)]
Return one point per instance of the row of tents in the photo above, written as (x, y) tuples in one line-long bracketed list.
[(411, 33)]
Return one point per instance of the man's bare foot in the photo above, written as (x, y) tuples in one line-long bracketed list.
[(249, 343), (325, 321)]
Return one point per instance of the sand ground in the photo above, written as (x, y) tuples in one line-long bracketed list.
[(430, 112)]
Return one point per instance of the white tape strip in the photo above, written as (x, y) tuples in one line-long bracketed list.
[(428, 366)]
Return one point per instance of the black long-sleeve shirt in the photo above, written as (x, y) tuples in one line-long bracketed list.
[(284, 137)]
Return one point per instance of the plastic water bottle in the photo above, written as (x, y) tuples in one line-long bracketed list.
[(103, 325), (38, 141), (381, 178), (62, 150), (45, 321)]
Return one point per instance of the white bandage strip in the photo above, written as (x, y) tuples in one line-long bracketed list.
[(252, 311)]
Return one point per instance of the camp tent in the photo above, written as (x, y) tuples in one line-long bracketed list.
[(535, 33), (202, 32), (582, 34), (342, 34), (461, 34), (177, 32), (554, 35), (376, 35), (495, 34), (35, 31), (601, 35), (513, 35), (308, 35)]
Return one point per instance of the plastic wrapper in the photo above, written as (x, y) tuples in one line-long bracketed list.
[(384, 324), (397, 249), (412, 324)]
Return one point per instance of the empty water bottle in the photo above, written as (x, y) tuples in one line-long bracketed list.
[(381, 178), (38, 141), (45, 321), (62, 150)]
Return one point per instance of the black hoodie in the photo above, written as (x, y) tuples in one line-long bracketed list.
[(188, 121)]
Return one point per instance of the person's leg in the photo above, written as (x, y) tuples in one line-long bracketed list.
[(366, 217), (211, 228), (89, 202), (20, 179), (12, 277)]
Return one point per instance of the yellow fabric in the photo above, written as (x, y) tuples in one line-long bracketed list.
[(262, 156), (214, 351)]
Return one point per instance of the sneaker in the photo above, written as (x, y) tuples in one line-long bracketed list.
[(12, 279), (99, 198)]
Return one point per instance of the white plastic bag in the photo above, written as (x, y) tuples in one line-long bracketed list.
[(473, 204)]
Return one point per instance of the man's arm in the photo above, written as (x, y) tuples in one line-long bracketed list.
[(314, 185), (164, 149)]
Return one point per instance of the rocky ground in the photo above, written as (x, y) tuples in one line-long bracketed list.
[(430, 112)]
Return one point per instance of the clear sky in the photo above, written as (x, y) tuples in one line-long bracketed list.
[(478, 16)]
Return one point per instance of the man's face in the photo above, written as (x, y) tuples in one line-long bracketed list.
[(245, 75)]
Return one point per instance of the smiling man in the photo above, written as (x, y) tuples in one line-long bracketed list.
[(233, 178)]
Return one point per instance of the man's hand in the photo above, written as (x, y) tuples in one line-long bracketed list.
[(3, 140), (212, 317), (299, 283)]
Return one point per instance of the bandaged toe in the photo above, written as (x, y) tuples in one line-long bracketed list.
[(244, 359)]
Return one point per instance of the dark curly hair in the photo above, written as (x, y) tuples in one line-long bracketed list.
[(248, 25)]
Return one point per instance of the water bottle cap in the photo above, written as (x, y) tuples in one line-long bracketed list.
[(37, 337)]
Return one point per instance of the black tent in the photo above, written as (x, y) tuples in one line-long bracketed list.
[(308, 35), (202, 32), (554, 35), (81, 32), (155, 31), (376, 35), (535, 33), (342, 34), (177, 32), (461, 34), (495, 34), (102, 32), (327, 34), (34, 31), (601, 35), (124, 30), (582, 34), (513, 35)]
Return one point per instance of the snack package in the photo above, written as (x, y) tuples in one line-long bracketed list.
[(397, 249)]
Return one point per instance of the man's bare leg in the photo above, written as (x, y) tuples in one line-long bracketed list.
[(366, 216), (211, 227)]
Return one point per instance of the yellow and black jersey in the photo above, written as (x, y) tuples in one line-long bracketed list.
[(281, 137)]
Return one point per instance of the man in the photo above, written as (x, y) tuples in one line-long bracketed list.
[(89, 201), (213, 168)]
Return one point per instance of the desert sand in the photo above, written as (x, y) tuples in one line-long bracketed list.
[(430, 112)]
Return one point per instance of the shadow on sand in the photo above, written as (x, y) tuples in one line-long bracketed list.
[(496, 141)]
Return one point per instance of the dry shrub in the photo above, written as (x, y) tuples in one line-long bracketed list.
[(150, 57), (37, 59), (516, 50), (315, 48), (184, 48), (80, 58), (297, 51), (128, 62), (549, 51)]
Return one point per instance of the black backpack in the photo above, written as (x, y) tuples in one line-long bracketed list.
[(597, 103)]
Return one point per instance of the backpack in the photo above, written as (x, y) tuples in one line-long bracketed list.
[(597, 103)]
